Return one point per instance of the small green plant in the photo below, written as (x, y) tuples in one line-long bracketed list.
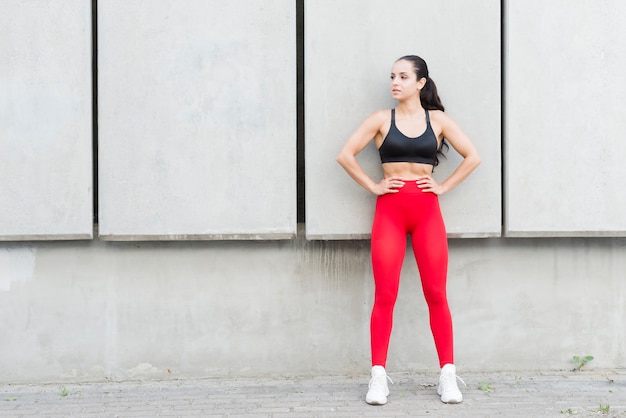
[(569, 411), (10, 399), (604, 409), (486, 387), (581, 362), (64, 391)]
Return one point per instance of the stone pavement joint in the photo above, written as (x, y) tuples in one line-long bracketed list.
[(505, 394)]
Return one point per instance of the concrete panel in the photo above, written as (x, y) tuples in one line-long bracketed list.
[(45, 120), (197, 116), (170, 310), (349, 54), (565, 111)]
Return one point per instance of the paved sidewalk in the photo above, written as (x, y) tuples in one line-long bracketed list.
[(524, 394)]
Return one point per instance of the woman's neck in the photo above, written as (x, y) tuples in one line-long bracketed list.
[(411, 109)]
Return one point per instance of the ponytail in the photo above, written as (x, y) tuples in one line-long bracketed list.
[(431, 101), (429, 97)]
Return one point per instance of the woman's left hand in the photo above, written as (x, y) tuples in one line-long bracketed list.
[(429, 185)]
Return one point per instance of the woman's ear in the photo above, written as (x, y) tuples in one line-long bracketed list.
[(421, 83)]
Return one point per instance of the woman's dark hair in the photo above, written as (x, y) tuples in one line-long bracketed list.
[(428, 95)]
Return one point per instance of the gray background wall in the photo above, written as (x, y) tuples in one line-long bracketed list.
[(347, 78), (121, 310), (197, 119), (98, 308), (45, 120), (564, 118)]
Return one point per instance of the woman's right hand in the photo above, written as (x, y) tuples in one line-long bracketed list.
[(388, 185)]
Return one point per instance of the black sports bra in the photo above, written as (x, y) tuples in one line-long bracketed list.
[(399, 148)]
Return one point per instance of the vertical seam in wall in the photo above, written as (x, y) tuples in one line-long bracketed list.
[(300, 170), (503, 64), (94, 104)]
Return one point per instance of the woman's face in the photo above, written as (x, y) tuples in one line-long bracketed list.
[(404, 83)]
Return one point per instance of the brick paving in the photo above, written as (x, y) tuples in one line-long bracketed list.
[(503, 394)]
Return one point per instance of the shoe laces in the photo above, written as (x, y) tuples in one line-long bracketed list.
[(378, 381), (450, 378)]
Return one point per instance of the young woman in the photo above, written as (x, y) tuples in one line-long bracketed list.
[(410, 139)]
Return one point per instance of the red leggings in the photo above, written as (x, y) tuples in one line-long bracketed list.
[(410, 211)]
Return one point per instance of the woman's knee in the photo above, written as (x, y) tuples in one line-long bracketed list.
[(385, 298), (436, 296)]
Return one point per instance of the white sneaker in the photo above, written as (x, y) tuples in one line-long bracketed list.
[(448, 389), (378, 389)]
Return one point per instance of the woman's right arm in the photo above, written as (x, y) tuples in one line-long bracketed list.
[(359, 139)]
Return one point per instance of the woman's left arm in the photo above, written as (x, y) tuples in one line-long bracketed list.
[(463, 145)]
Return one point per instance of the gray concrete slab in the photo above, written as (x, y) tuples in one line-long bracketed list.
[(46, 120), (349, 54), (508, 394), (550, 120), (197, 120)]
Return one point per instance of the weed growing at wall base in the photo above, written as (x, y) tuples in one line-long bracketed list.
[(486, 387), (581, 361)]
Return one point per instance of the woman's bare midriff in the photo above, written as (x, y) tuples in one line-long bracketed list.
[(408, 171)]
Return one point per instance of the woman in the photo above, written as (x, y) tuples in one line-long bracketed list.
[(410, 139)]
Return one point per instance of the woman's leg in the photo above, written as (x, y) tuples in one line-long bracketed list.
[(388, 249), (430, 246)]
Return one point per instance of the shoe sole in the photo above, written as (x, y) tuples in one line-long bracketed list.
[(375, 402), (452, 401)]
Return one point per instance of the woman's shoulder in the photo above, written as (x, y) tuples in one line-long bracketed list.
[(382, 113), (434, 113), (439, 116), (379, 117)]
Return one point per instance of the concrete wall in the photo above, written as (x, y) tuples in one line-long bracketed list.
[(45, 120), (347, 78), (197, 119), (564, 118), (97, 309)]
